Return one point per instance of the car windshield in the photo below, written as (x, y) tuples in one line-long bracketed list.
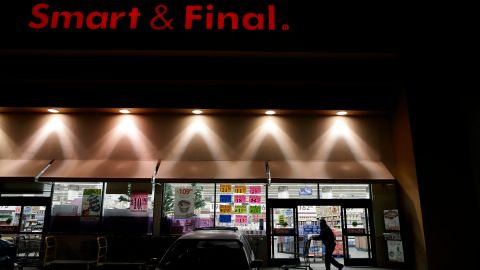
[(205, 254)]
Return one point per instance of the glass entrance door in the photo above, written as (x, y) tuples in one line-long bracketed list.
[(283, 235), (309, 225), (357, 236)]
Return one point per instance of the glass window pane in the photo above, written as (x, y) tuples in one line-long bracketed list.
[(25, 189), (284, 247), (128, 207), (9, 219), (358, 247), (32, 219), (76, 207), (293, 191), (241, 205), (187, 206), (344, 191)]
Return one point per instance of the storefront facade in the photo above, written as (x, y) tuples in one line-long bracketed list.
[(310, 60), (166, 174)]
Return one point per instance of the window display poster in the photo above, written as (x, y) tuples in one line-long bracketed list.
[(395, 251), (225, 188), (225, 218), (139, 202), (241, 219), (255, 189), (240, 198), (305, 191), (184, 202), (255, 199), (225, 198), (392, 221), (91, 202)]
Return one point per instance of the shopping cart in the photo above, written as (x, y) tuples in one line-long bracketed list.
[(306, 259)]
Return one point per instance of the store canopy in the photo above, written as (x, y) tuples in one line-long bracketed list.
[(99, 170), (321, 170), (212, 170), (20, 170)]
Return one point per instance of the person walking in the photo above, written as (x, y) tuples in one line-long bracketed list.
[(328, 239)]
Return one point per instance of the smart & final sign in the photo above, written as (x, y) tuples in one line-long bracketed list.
[(156, 15)]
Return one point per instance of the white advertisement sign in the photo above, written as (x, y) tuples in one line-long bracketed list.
[(395, 251), (392, 221), (184, 204)]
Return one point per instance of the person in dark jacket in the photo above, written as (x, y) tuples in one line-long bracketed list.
[(328, 239)]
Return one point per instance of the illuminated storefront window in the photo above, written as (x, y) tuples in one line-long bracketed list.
[(128, 207), (76, 207), (344, 191), (293, 191), (187, 206), (241, 205)]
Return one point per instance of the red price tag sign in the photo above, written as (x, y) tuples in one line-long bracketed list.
[(240, 198), (255, 199), (241, 219), (255, 189), (139, 202)]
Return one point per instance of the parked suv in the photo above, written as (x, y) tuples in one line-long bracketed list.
[(210, 248)]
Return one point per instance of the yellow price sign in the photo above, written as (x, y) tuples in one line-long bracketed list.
[(241, 189), (225, 208), (226, 188), (240, 209)]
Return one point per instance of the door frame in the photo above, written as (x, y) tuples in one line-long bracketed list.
[(370, 236), (343, 203)]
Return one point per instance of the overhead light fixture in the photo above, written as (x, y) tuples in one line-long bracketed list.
[(53, 110), (270, 112), (124, 111), (341, 113), (197, 111)]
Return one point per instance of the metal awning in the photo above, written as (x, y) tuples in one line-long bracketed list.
[(99, 170), (21, 169), (321, 170), (253, 171)]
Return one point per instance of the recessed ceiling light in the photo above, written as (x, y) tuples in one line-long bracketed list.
[(342, 113), (197, 111), (125, 111), (53, 110), (270, 112)]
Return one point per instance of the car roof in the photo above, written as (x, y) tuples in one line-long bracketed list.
[(213, 234)]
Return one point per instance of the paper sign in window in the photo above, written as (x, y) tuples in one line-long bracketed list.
[(240, 198), (225, 218), (240, 189), (225, 208), (139, 202), (225, 198), (257, 217), (240, 209), (226, 188), (255, 209), (91, 202), (255, 199), (255, 189), (241, 219)]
